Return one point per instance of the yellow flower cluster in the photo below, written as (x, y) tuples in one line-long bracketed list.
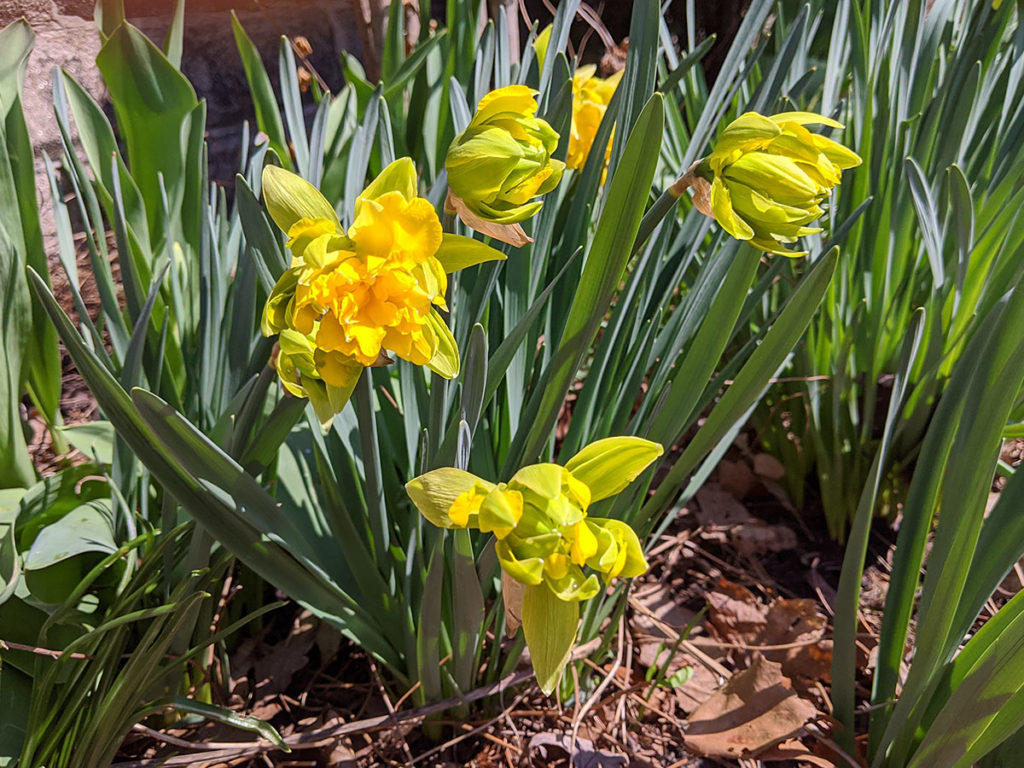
[(350, 298), (769, 177), (500, 163), (540, 516), (590, 98)]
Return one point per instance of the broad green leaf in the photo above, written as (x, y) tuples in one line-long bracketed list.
[(154, 104), (268, 116), (549, 625), (15, 692), (960, 452), (230, 718), (987, 706), (220, 513), (10, 561), (87, 528), (428, 631), (752, 379), (467, 610), (844, 656), (616, 230), (15, 467), (41, 371)]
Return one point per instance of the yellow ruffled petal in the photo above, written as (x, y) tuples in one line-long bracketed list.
[(721, 206)]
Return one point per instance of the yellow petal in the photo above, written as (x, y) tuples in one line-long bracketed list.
[(445, 361), (608, 466), (748, 131), (721, 207), (290, 198), (434, 492), (805, 118), (458, 252), (512, 98)]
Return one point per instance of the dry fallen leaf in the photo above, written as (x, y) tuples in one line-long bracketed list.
[(656, 622), (799, 622), (735, 613), (794, 750), (553, 746), (756, 537), (274, 671), (755, 710), (717, 508), (768, 466), (699, 688), (736, 477)]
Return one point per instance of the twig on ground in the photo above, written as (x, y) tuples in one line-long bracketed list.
[(7, 645), (596, 695), (330, 732), (461, 737), (390, 707)]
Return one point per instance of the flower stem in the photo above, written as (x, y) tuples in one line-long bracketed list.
[(373, 478)]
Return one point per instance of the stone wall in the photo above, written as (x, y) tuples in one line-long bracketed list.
[(66, 37)]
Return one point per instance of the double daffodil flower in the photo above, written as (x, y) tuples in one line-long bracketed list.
[(501, 163), (351, 298), (545, 539), (769, 177), (590, 98)]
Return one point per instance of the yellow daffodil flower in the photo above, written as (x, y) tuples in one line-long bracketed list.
[(545, 539), (769, 177), (590, 98), (540, 45), (540, 516), (350, 298), (502, 162)]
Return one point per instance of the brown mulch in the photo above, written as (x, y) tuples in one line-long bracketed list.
[(746, 580)]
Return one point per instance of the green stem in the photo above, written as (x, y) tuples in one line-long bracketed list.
[(374, 483)]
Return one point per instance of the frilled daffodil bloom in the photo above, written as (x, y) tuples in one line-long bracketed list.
[(590, 97), (769, 177), (351, 298), (501, 163), (545, 539)]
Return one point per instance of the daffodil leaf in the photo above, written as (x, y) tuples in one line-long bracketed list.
[(458, 252), (290, 198), (549, 626), (434, 492), (608, 466), (445, 361)]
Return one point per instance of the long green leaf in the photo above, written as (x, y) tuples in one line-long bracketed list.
[(613, 242)]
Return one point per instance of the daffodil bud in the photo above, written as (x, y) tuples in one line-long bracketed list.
[(769, 177), (502, 161)]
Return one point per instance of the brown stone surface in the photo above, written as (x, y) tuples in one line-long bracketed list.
[(66, 37)]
